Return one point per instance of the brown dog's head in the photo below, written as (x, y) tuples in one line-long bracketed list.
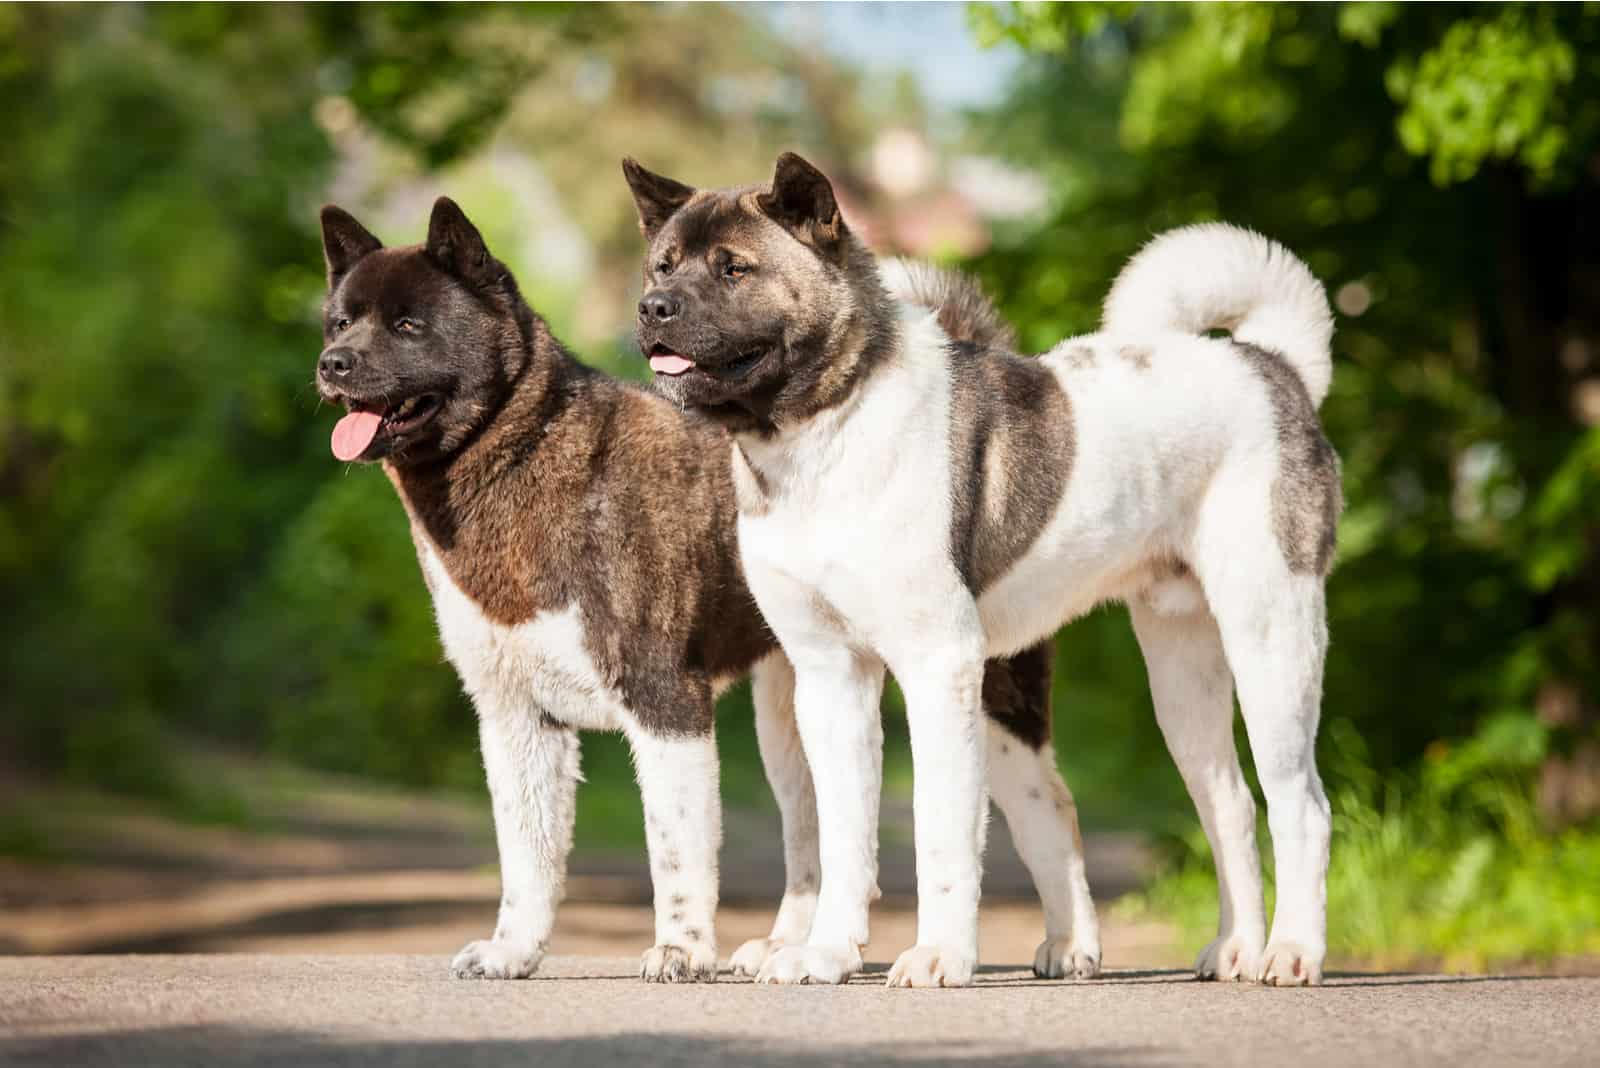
[(419, 343), (760, 307)]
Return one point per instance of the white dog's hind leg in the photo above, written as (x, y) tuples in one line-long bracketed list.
[(678, 782), (1274, 628), (836, 709), (1193, 693), (1043, 819), (948, 741), (1277, 655), (532, 766), (784, 758)]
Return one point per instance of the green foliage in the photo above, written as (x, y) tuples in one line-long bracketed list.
[(179, 554), (1501, 86), (349, 676), (177, 549), (1567, 507)]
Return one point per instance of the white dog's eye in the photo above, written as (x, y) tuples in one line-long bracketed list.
[(341, 325), (408, 326), (735, 271), (664, 267)]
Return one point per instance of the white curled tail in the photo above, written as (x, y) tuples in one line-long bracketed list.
[(1220, 277)]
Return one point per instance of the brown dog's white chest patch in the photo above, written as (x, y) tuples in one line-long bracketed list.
[(542, 663)]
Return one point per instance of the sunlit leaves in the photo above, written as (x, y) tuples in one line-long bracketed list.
[(1494, 87)]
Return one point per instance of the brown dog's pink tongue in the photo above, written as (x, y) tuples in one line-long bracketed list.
[(670, 363), (354, 433)]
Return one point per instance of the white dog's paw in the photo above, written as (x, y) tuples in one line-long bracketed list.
[(679, 964), (496, 959), (749, 958), (810, 964), (1057, 958), (932, 966), (1230, 958), (1290, 964)]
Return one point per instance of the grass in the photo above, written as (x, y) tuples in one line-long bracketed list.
[(1449, 869), (22, 837)]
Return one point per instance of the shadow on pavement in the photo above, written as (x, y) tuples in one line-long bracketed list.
[(346, 917), (225, 1047)]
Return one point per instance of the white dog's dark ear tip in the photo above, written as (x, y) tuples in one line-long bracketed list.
[(794, 165)]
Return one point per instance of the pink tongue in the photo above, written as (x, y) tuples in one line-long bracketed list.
[(354, 433), (670, 364)]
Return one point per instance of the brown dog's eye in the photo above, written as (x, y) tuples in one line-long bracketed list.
[(664, 267), (341, 325), (735, 271), (408, 326)]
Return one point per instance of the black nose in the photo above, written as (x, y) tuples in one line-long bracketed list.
[(659, 306), (336, 363)]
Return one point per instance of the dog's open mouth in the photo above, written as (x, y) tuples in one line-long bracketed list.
[(744, 364), (354, 434), (663, 361)]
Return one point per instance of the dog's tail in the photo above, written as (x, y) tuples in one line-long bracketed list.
[(962, 308), (1220, 277)]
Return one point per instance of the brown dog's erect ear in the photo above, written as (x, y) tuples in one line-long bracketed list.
[(457, 246), (802, 201), (657, 196), (344, 241)]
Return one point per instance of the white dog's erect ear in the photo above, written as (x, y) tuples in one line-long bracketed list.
[(344, 241), (802, 201), (656, 196), (457, 246)]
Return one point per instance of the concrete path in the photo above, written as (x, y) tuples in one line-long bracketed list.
[(395, 1011)]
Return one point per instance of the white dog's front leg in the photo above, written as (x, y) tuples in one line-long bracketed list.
[(532, 766), (836, 710), (678, 779), (944, 712), (783, 756)]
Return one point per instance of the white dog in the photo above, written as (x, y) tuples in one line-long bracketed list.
[(916, 504)]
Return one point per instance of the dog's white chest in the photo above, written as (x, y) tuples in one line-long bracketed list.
[(542, 665), (842, 548)]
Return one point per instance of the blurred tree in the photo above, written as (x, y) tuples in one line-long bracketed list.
[(693, 91), (178, 553), (1439, 167), (161, 269)]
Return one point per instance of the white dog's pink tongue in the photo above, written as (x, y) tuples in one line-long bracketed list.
[(670, 363), (353, 433)]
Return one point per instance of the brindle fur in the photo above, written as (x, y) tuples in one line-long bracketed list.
[(1306, 495), (1011, 444), (962, 308)]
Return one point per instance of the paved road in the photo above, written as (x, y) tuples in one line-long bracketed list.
[(235, 1010)]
